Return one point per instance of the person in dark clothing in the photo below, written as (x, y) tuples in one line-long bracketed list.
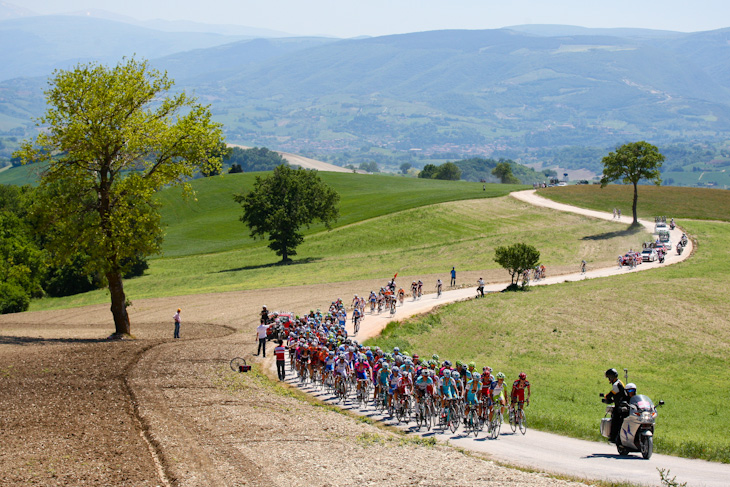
[(618, 397)]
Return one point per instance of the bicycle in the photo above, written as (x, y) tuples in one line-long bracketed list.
[(496, 424), (340, 389), (363, 391), (423, 413), (238, 364), (356, 321), (471, 421), (518, 418)]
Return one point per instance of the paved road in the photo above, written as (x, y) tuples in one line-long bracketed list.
[(546, 451)]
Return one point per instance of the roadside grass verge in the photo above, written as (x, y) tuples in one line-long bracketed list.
[(423, 240), (669, 201), (669, 327)]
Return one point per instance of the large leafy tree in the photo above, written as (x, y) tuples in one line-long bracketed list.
[(503, 171), (517, 259), (112, 137), (631, 163), (280, 204)]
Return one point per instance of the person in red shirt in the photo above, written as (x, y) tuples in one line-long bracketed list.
[(280, 353)]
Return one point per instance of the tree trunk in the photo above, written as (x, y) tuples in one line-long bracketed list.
[(119, 307), (633, 208)]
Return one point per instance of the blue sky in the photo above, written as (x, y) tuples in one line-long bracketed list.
[(350, 18)]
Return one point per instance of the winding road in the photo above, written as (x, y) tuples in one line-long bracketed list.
[(546, 451)]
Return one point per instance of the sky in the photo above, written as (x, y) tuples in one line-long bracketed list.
[(351, 18)]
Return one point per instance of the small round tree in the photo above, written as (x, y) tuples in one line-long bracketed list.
[(517, 259)]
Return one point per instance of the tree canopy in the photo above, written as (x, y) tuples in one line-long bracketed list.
[(631, 163), (503, 171), (114, 138), (253, 159), (517, 258), (280, 204)]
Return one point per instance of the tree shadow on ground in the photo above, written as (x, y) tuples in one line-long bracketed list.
[(632, 230), (307, 260), (19, 340)]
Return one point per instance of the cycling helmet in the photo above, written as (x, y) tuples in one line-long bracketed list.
[(523, 376), (631, 387), (424, 372), (409, 361), (612, 373), (396, 370), (458, 363), (435, 357), (455, 374), (415, 356), (396, 349), (472, 365), (500, 375), (447, 363), (332, 352)]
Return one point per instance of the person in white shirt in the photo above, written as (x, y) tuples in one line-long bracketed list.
[(261, 334)]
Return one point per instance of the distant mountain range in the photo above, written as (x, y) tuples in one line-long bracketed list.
[(515, 92)]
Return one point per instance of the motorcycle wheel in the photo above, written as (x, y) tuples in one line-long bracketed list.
[(623, 451), (647, 446)]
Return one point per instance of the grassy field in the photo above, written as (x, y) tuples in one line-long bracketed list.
[(669, 327), (694, 203), (422, 240), (211, 224)]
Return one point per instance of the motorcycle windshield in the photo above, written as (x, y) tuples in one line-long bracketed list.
[(642, 402)]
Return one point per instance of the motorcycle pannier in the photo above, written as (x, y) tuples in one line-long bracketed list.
[(606, 427)]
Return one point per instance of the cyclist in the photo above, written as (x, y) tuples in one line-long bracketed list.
[(480, 286), (496, 394), (447, 390), (401, 295), (373, 299), (473, 391), (420, 288), (583, 267), (393, 380), (342, 370), (517, 395), (439, 285), (423, 385), (356, 316), (414, 290), (363, 371)]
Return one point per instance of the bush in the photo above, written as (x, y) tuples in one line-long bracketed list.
[(12, 298)]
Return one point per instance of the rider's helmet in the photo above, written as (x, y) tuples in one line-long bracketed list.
[(363, 357), (612, 373), (331, 353), (523, 376), (435, 357), (264, 306), (396, 370), (500, 375), (396, 350), (447, 363), (458, 363), (472, 365), (415, 357), (455, 374), (424, 372), (631, 387)]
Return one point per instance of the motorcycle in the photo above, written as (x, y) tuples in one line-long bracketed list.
[(637, 429)]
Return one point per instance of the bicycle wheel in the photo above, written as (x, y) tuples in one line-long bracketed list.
[(454, 418), (496, 424), (236, 364), (513, 420), (523, 422), (428, 419), (419, 417), (357, 326)]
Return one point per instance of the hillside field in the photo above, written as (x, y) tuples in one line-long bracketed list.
[(389, 224), (669, 327)]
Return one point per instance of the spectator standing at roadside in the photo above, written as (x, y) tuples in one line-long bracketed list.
[(480, 286), (177, 324), (280, 352), (453, 276), (618, 212), (261, 334)]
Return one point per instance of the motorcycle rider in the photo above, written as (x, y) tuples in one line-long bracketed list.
[(618, 397)]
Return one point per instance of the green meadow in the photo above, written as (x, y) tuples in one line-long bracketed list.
[(668, 327), (406, 230)]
